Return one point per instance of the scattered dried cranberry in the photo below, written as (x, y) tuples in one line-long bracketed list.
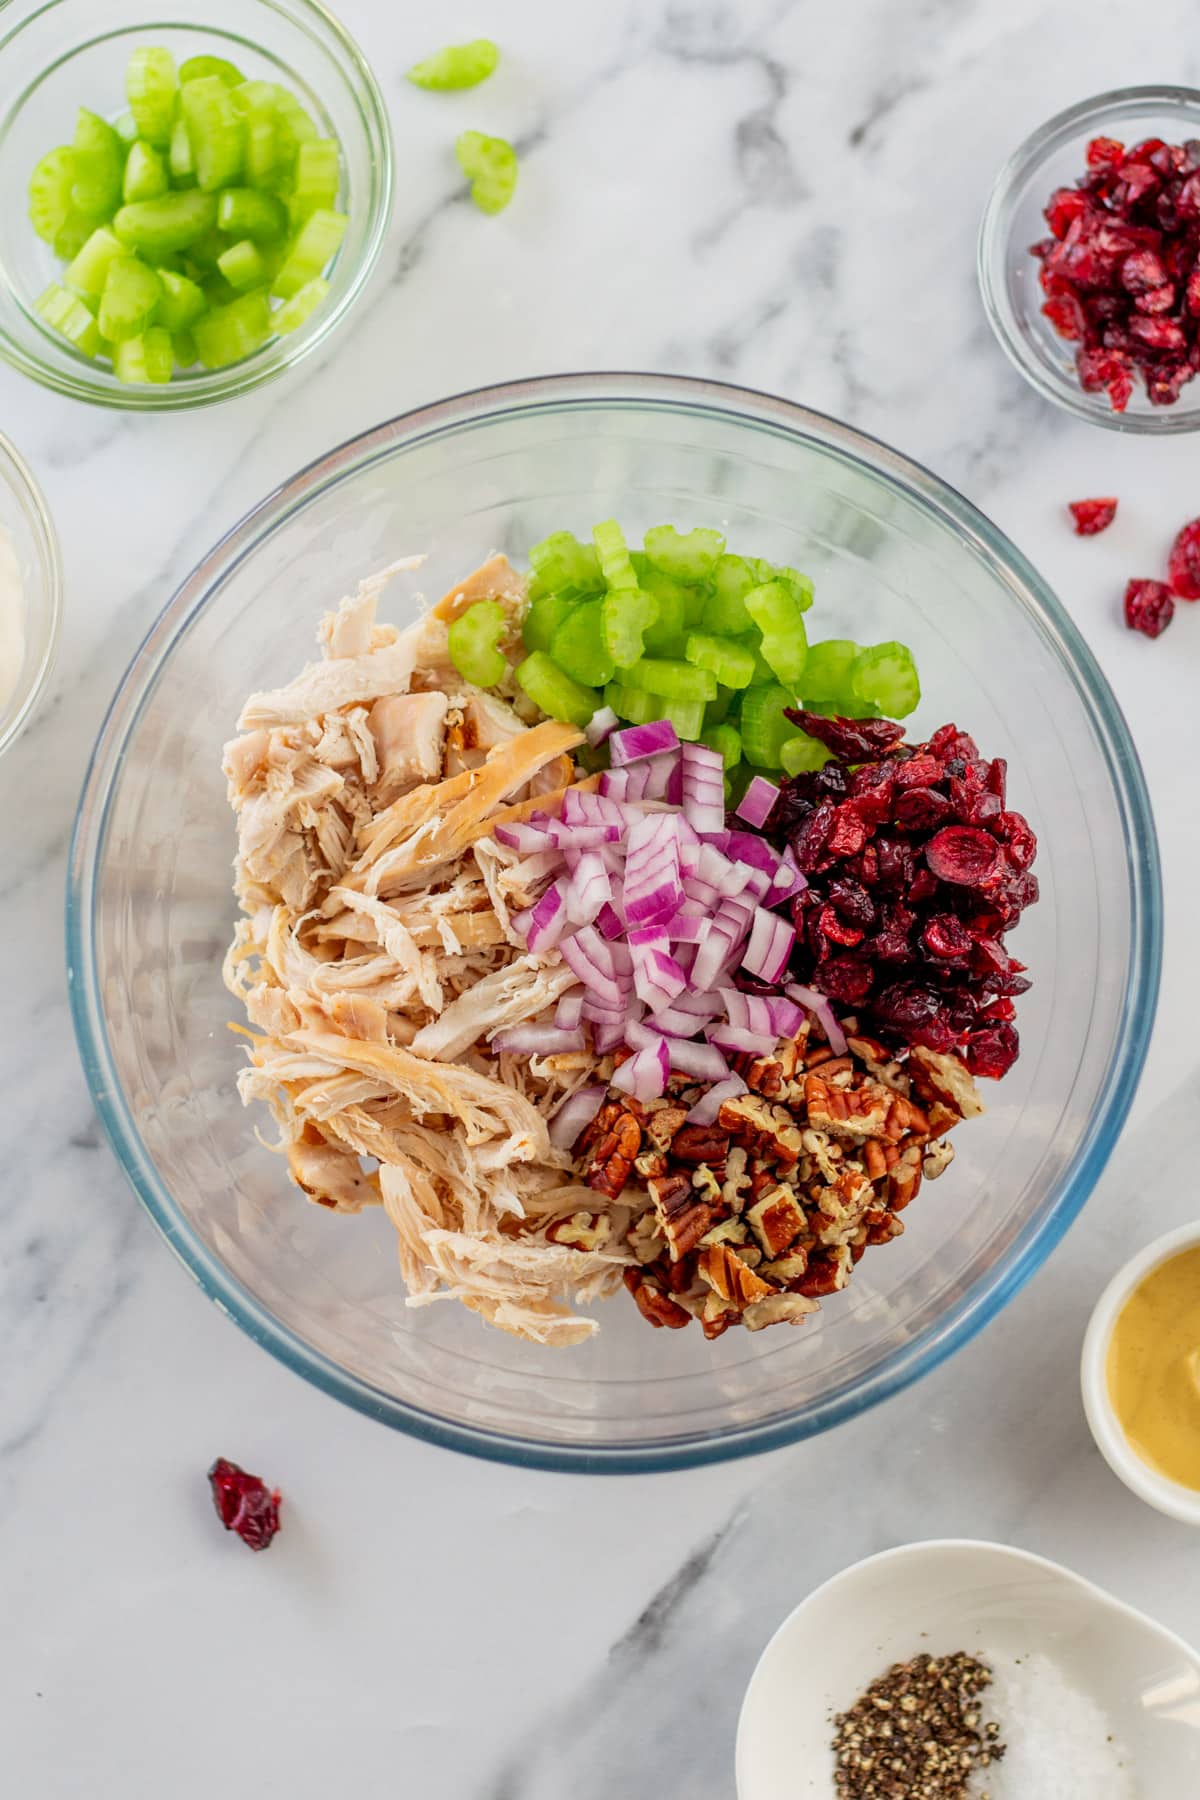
[(1121, 269), (244, 1504), (963, 854), (1091, 516), (1148, 607), (1183, 568)]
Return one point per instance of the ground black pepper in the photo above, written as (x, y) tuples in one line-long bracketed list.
[(917, 1733)]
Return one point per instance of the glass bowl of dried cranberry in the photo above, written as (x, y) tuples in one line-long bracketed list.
[(1089, 259), (892, 553)]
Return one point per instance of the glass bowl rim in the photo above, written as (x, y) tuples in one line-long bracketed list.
[(256, 370), (743, 406), (995, 235), (18, 477)]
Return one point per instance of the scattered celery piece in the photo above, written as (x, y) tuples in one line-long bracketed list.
[(566, 567), (458, 66), (292, 314), (151, 84), (732, 663), (197, 68), (827, 670), (181, 302), (86, 272), (763, 726), (242, 265), (50, 185), (131, 295), (626, 614), (578, 646), (228, 333), (725, 740), (125, 126), (885, 676), (172, 222), (724, 614), (215, 131), (615, 566), (690, 556), (99, 159), (180, 160), (490, 165), (673, 680), (66, 313), (800, 753), (543, 618), (779, 616), (474, 643), (551, 689), (183, 347), (317, 180), (246, 212), (314, 247), (634, 704), (145, 173), (148, 358)]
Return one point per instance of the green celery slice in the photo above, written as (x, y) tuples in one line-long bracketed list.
[(551, 689), (310, 253), (99, 161), (66, 313), (724, 614), (578, 646), (634, 704), (687, 716), (717, 711), (151, 85), (131, 294), (242, 265), (800, 753), (626, 614), (726, 740), (458, 66), (566, 567), (666, 636), (673, 680), (145, 173), (226, 334), (180, 160), (885, 676), (543, 618), (730, 662), (763, 726), (474, 642), (125, 126), (780, 618), (827, 669), (293, 313), (215, 130), (615, 566), (246, 212), (87, 271), (148, 358), (183, 347), (50, 185), (685, 556), (172, 222), (490, 165), (197, 68), (317, 180), (181, 302)]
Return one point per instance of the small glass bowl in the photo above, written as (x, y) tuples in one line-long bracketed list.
[(1008, 275), (69, 54), (23, 516)]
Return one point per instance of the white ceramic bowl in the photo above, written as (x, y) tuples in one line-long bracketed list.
[(1156, 1490), (953, 1595)]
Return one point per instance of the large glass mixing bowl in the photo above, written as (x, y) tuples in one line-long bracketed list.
[(894, 553)]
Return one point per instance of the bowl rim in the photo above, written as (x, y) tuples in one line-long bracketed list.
[(19, 478), (1159, 1491), (993, 249), (93, 384), (973, 1309)]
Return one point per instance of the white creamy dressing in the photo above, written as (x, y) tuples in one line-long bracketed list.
[(12, 618)]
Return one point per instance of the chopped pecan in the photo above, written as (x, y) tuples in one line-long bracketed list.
[(700, 1144), (905, 1115), (853, 1113), (729, 1277), (945, 1078), (684, 1219), (776, 1219), (882, 1225), (878, 1063), (936, 1159), (826, 1274), (653, 1304), (715, 1328), (761, 1128), (905, 1179), (765, 1076), (792, 1308), (651, 1163), (663, 1123), (615, 1138), (582, 1231), (787, 1268), (874, 1159), (726, 1231), (735, 1178)]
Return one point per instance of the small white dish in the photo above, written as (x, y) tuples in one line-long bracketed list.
[(1170, 1497), (987, 1599)]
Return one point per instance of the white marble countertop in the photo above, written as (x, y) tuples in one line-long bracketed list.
[(782, 193)]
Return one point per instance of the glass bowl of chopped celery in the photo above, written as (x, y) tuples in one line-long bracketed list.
[(202, 198), (893, 557)]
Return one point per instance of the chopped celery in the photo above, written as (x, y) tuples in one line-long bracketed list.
[(726, 741), (554, 692), (145, 173), (242, 265), (66, 313), (885, 676), (666, 636), (215, 131), (778, 614), (474, 643), (801, 586), (99, 160), (245, 212), (73, 234), (317, 180), (763, 726), (172, 222), (180, 160), (181, 302), (566, 567), (687, 716), (149, 357), (688, 556), (50, 185), (724, 614), (131, 294), (732, 663), (615, 566), (87, 270), (292, 314), (717, 711), (295, 125), (800, 753), (197, 68), (827, 670), (216, 290), (228, 333), (202, 255), (125, 126), (183, 347), (578, 646), (266, 165), (543, 618), (490, 165), (150, 87), (313, 248), (673, 680), (634, 704), (626, 615), (458, 66)]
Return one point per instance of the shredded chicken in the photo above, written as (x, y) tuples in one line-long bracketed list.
[(376, 959)]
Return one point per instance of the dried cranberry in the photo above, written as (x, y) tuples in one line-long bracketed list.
[(836, 930), (1183, 566), (1064, 205), (848, 833), (994, 1051), (1192, 295), (896, 863), (947, 938), (963, 854), (1103, 151), (919, 772), (853, 903), (973, 806), (871, 788), (998, 1010), (244, 1503), (1017, 836), (1148, 607), (949, 741), (846, 979), (922, 809), (922, 887), (1066, 315), (810, 839), (1158, 334), (1092, 516), (855, 740), (1158, 300)]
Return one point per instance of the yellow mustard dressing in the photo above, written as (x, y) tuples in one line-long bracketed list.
[(1154, 1368)]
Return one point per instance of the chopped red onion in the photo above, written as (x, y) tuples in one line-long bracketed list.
[(672, 1022), (601, 725), (741, 1042), (539, 1040), (588, 890), (645, 1074), (653, 888), (609, 921), (770, 945), (703, 787), (659, 774), (606, 1035), (820, 1007), (544, 923), (658, 978), (526, 838), (576, 1111), (709, 1105), (758, 801), (714, 956), (579, 837), (642, 740), (569, 1011), (703, 1062), (580, 956)]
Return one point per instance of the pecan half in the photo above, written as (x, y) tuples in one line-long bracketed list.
[(654, 1305), (827, 1273), (663, 1123), (614, 1147), (729, 1277), (700, 1144), (684, 1219), (776, 1220), (945, 1078)]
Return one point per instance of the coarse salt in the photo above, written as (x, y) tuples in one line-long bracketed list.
[(1061, 1745)]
